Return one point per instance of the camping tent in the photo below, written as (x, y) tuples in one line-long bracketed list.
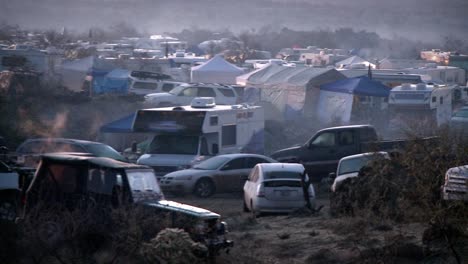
[(115, 81), (216, 70), (293, 91), (337, 98)]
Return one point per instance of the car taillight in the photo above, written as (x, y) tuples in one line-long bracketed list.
[(260, 191)]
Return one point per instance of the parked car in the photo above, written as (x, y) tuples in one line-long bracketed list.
[(349, 167), (223, 173), (275, 187), (28, 153), (149, 86), (185, 93), (9, 192), (456, 184), (77, 182)]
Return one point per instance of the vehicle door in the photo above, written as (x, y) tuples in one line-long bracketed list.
[(186, 96), (227, 178), (348, 144), (320, 154)]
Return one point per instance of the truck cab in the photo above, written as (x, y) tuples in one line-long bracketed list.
[(321, 153)]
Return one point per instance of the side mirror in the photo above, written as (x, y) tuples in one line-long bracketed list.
[(215, 149), (332, 175)]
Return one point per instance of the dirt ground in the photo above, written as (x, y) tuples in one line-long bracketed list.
[(305, 238)]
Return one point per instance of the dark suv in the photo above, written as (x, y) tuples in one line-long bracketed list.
[(75, 181)]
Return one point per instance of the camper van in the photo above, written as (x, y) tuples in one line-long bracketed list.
[(422, 102), (185, 135)]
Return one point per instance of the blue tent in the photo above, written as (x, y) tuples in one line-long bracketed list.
[(115, 81), (359, 86), (122, 125)]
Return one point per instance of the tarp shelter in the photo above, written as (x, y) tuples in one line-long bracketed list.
[(119, 133), (115, 81), (73, 72), (354, 62), (291, 92), (216, 70), (338, 100)]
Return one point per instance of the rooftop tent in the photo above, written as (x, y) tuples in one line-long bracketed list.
[(122, 125), (216, 70), (359, 86)]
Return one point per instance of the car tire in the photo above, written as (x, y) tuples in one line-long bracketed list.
[(204, 188)]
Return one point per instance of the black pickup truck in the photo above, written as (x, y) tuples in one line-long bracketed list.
[(320, 155)]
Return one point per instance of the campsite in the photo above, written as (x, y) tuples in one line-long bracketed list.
[(181, 141)]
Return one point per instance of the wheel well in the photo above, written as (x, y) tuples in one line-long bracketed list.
[(206, 179)]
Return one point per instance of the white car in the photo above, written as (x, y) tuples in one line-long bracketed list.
[(456, 184), (276, 188), (185, 93), (349, 167), (149, 86)]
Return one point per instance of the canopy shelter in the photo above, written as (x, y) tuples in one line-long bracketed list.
[(354, 62), (216, 70), (357, 98)]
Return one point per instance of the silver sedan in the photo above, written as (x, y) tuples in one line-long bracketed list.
[(223, 173)]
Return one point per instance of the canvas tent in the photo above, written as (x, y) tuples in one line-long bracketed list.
[(340, 99), (216, 70), (288, 92)]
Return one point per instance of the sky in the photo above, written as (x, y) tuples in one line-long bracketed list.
[(414, 19)]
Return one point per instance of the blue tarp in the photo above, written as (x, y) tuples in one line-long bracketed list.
[(359, 85), (115, 81), (122, 125)]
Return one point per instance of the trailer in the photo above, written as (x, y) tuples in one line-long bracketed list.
[(185, 135)]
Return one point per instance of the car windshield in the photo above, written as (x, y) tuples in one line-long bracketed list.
[(174, 144), (211, 163), (354, 165), (101, 150), (143, 185), (462, 113)]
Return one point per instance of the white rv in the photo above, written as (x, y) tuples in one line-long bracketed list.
[(422, 102), (185, 135)]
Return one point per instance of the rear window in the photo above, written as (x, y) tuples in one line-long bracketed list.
[(282, 184), (227, 92), (101, 150), (282, 175)]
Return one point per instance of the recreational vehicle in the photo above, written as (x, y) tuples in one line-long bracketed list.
[(185, 135), (422, 103)]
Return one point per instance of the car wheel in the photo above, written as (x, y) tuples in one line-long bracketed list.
[(204, 188)]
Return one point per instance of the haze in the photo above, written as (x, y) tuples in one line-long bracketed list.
[(415, 19)]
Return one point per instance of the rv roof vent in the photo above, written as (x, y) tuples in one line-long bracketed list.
[(178, 108), (406, 86), (421, 86), (203, 102)]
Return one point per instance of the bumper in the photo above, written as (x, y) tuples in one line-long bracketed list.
[(268, 206)]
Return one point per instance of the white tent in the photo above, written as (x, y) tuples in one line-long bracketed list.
[(216, 70)]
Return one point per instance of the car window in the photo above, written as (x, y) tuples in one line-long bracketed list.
[(282, 175), (227, 92), (252, 161), (145, 85), (462, 113), (346, 137), (206, 92), (167, 87), (102, 150), (326, 139), (235, 164), (191, 92)]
